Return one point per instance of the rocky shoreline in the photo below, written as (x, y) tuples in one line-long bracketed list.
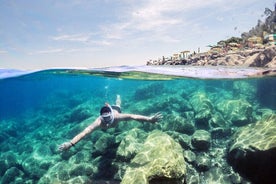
[(264, 57)]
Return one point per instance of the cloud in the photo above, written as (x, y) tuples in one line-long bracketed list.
[(155, 14), (49, 51), (83, 38), (3, 52), (150, 21), (115, 31), (157, 20), (102, 43), (163, 20), (66, 50), (73, 37)]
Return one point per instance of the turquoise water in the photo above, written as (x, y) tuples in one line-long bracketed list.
[(41, 110)]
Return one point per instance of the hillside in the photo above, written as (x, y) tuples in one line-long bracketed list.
[(255, 48)]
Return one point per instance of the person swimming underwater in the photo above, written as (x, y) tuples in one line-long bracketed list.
[(109, 117)]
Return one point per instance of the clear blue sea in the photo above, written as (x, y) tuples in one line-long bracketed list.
[(40, 110)]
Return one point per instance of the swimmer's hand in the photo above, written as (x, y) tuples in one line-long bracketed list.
[(65, 146), (156, 117)]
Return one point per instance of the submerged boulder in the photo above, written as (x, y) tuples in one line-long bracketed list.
[(253, 150), (217, 121), (130, 144), (11, 175), (7, 160), (149, 91), (245, 90), (178, 124), (203, 108), (183, 139), (203, 162), (201, 140), (104, 145), (239, 112), (66, 172), (216, 175), (160, 160)]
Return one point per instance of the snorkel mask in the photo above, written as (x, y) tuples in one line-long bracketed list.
[(107, 114)]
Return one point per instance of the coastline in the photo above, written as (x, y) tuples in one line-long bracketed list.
[(257, 57)]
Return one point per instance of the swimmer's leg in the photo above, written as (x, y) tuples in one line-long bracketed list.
[(118, 100)]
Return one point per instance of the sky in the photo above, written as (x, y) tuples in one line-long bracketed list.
[(41, 34)]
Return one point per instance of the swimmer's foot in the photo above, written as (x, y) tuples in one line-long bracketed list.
[(118, 100)]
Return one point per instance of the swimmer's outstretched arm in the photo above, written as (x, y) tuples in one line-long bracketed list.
[(152, 119), (77, 138)]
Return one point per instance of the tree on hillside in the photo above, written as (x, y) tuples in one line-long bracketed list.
[(225, 43), (268, 26), (270, 22)]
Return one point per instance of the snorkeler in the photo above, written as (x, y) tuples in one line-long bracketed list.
[(109, 117)]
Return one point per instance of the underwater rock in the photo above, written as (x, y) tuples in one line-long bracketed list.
[(78, 170), (203, 108), (104, 145), (177, 103), (103, 168), (236, 178), (79, 180), (183, 139), (217, 121), (130, 144), (185, 105), (160, 160), (65, 172), (56, 174), (219, 133), (7, 160), (149, 91), (39, 161), (201, 140), (189, 116), (192, 176), (10, 175), (239, 112), (216, 175), (179, 124), (202, 162), (172, 102), (43, 150), (253, 149), (32, 167), (9, 129), (121, 168), (79, 157), (244, 90), (190, 156), (79, 114)]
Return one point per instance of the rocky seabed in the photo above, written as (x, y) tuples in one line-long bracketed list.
[(204, 137)]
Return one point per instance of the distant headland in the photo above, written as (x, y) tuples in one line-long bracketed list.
[(256, 48)]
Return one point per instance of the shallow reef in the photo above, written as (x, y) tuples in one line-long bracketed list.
[(213, 131)]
